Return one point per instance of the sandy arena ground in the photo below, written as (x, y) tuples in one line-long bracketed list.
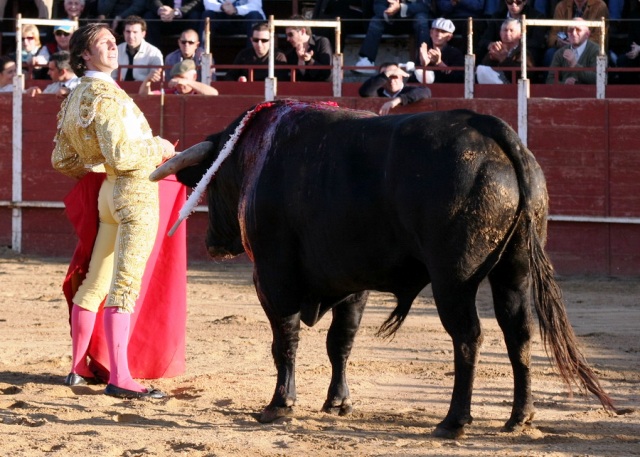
[(400, 388)]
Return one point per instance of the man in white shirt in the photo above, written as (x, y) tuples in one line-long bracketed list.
[(136, 51), (65, 80)]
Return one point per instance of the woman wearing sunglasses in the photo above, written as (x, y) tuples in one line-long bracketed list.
[(35, 56)]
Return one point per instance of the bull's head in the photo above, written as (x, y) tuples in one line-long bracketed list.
[(223, 234)]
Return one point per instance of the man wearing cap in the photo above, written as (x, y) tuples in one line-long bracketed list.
[(439, 54), (389, 83), (136, 51), (183, 81), (62, 35), (581, 52)]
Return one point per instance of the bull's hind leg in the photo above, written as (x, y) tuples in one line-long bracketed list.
[(344, 326), (457, 310), (286, 335), (510, 286)]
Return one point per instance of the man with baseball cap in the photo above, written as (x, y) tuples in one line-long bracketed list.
[(439, 54), (62, 35), (183, 81)]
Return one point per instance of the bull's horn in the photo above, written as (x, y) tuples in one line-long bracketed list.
[(190, 156)]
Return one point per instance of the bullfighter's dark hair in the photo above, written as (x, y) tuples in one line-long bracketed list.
[(81, 41)]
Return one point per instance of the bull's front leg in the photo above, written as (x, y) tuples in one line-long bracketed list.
[(344, 326), (286, 335)]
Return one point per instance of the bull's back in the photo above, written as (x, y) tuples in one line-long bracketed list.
[(393, 186)]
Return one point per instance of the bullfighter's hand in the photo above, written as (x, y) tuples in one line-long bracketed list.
[(571, 80), (168, 149), (388, 106)]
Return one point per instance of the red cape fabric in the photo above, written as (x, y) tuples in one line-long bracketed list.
[(158, 324)]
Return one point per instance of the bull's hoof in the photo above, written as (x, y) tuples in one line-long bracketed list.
[(448, 433), (518, 424), (452, 429), (271, 413), (338, 409)]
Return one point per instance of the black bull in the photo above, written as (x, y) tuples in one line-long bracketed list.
[(330, 203)]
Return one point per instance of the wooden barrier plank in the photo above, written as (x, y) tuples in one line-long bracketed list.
[(597, 176)]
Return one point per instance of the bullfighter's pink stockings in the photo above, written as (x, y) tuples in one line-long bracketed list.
[(82, 322), (116, 331)]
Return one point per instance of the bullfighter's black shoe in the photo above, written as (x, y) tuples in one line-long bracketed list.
[(74, 379), (118, 392)]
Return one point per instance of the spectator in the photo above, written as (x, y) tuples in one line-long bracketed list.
[(589, 10), (136, 51), (183, 81), (7, 72), (34, 55), (169, 17), (60, 71), (230, 17), (116, 10), (631, 59), (581, 52), (459, 12), (391, 15), (389, 83), (504, 53), (257, 54), (62, 35), (45, 8), (536, 43), (188, 48), (439, 53), (75, 10), (308, 50)]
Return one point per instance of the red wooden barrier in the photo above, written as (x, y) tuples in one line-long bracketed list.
[(589, 150)]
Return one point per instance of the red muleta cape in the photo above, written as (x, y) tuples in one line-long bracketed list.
[(158, 324)]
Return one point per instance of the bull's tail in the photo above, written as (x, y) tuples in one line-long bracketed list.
[(557, 334), (393, 323), (558, 337)]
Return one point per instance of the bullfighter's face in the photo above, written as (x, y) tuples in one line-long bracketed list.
[(102, 55)]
